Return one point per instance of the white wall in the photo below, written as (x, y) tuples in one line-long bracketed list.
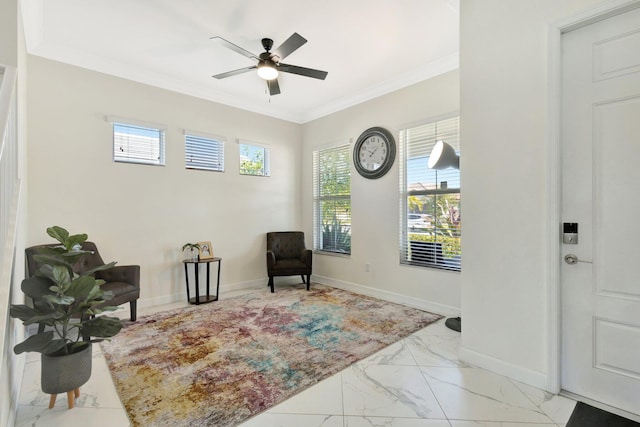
[(140, 214), (374, 203), (504, 65), (9, 33), (12, 52)]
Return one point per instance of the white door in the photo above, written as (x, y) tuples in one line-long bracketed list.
[(601, 192)]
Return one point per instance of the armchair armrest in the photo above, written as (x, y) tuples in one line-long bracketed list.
[(307, 257), (121, 273), (271, 260)]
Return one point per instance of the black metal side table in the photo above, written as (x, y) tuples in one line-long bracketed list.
[(202, 299)]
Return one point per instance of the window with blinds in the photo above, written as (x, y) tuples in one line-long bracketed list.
[(430, 199), (138, 144), (203, 152), (332, 199), (255, 160)]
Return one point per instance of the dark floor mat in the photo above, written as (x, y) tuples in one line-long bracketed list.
[(587, 416)]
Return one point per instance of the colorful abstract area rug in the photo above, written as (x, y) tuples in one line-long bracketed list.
[(218, 364)]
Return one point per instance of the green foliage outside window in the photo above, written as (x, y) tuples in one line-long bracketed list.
[(443, 211), (252, 160), (332, 199)]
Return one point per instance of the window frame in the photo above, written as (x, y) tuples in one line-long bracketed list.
[(218, 149), (142, 126), (345, 148), (266, 165), (433, 256)]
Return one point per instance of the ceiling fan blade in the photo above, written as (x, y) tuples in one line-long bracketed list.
[(289, 46), (274, 87), (234, 72), (234, 47), (307, 72)]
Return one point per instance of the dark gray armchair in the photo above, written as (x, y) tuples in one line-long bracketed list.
[(288, 256), (122, 280)]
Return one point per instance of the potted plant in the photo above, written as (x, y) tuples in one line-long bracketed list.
[(193, 250), (59, 296)]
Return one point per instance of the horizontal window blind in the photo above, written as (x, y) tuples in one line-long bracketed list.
[(255, 160), (205, 153), (138, 144), (430, 198), (332, 199)]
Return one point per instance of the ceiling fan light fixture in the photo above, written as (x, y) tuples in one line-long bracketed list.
[(267, 70)]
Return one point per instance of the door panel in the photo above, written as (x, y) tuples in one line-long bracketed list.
[(609, 337), (600, 191), (616, 56), (617, 153)]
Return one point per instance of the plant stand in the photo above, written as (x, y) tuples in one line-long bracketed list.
[(71, 398)]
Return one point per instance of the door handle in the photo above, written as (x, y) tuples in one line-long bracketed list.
[(573, 259)]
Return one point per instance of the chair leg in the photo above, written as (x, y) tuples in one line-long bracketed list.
[(302, 275), (308, 281), (133, 306), (271, 284)]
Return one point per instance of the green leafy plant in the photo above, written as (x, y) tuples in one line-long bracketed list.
[(336, 237), (59, 295), (191, 246), (450, 245), (193, 249)]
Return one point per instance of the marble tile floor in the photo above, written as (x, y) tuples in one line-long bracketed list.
[(417, 382)]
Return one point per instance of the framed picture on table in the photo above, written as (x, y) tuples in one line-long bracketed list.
[(205, 251)]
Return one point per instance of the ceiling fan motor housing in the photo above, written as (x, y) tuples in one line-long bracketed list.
[(267, 44)]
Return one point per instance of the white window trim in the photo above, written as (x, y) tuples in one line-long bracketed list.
[(403, 234), (134, 122), (316, 209), (209, 136), (113, 120), (255, 144)]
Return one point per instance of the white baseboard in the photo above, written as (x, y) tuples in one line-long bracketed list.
[(518, 373), (224, 289), (418, 303)]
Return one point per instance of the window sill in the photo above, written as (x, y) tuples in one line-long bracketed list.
[(335, 254), (441, 266)]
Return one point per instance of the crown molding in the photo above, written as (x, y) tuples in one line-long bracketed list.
[(91, 61), (424, 72)]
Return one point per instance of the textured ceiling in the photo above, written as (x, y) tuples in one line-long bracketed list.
[(368, 47)]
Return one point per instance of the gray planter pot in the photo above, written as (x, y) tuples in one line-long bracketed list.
[(61, 374)]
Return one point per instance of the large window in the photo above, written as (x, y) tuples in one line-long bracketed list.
[(203, 152), (332, 199), (254, 160), (133, 143), (430, 198)]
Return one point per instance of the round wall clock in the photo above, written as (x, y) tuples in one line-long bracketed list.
[(374, 152)]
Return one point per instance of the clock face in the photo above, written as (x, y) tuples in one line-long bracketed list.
[(374, 152)]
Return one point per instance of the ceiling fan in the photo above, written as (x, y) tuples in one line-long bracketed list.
[(268, 62)]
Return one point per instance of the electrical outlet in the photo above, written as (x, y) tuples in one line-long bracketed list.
[(367, 267)]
